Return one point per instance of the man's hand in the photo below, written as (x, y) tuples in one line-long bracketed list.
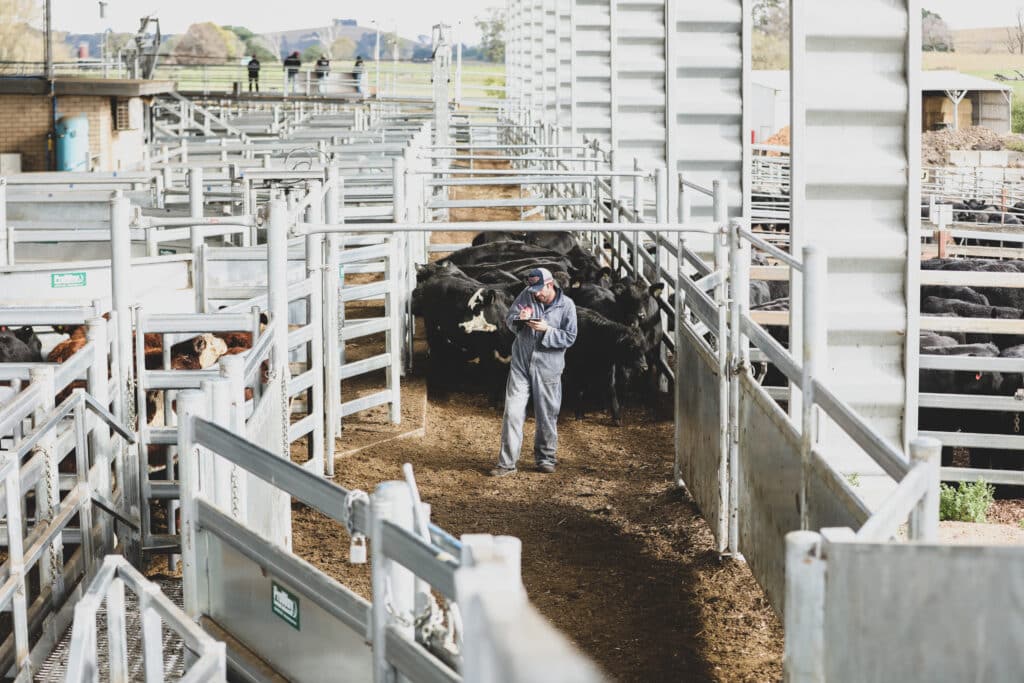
[(525, 313), (538, 325)]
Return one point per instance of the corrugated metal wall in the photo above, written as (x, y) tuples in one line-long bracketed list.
[(639, 85), (592, 90), (565, 68), (707, 135), (855, 79)]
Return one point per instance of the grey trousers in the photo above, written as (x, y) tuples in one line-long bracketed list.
[(546, 389)]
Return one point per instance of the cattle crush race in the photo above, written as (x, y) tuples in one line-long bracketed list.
[(258, 378)]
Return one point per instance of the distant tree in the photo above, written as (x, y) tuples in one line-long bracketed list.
[(366, 43), (313, 52), (343, 48), (255, 46), (20, 38), (1015, 36), (770, 40), (492, 35), (771, 17), (935, 34), (207, 43), (244, 34), (421, 52)]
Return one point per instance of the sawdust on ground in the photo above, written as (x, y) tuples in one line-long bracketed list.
[(613, 554)]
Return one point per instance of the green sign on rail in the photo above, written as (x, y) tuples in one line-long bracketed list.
[(61, 280), (285, 604)]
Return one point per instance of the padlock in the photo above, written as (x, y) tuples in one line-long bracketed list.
[(357, 549)]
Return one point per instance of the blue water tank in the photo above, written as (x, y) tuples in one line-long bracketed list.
[(73, 143)]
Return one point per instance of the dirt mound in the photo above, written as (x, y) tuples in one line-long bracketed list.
[(935, 145), (780, 138)]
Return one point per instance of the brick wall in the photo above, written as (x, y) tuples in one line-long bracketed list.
[(25, 122)]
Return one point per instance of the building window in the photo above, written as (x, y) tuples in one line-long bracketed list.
[(123, 119)]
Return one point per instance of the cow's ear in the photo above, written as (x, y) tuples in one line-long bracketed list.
[(657, 289), (420, 267)]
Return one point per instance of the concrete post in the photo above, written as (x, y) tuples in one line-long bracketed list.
[(99, 438), (279, 503), (924, 519), (121, 302), (814, 274), (48, 488), (314, 271), (393, 585), (195, 210), (232, 368), (803, 659), (191, 404)]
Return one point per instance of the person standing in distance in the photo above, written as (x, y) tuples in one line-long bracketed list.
[(254, 73), (323, 67), (544, 321), (292, 64), (357, 74)]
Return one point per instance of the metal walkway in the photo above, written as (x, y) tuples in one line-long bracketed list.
[(55, 666)]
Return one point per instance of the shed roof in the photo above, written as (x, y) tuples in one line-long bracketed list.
[(930, 81), (101, 87), (954, 80)]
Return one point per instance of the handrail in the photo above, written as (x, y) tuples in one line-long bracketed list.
[(694, 186), (769, 248)]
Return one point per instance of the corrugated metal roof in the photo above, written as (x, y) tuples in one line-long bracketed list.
[(929, 80), (954, 80), (774, 80)]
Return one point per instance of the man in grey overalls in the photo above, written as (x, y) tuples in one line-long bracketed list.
[(544, 321)]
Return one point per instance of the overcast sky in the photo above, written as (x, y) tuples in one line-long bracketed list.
[(980, 14), (412, 17)]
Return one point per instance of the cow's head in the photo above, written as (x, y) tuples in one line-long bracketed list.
[(484, 312)]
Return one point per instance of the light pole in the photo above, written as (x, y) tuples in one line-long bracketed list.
[(376, 58), (49, 45)]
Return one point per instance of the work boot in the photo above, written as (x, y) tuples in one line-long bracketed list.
[(502, 471), (546, 468)]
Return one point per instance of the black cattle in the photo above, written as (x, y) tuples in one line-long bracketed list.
[(562, 242), (602, 347), (998, 296), (14, 350), (953, 292), (760, 292), (596, 298), (956, 382), (428, 270), (496, 276), (464, 323), (27, 335), (936, 339), (966, 309), (500, 252), (518, 267), (960, 381), (587, 267), (489, 237)]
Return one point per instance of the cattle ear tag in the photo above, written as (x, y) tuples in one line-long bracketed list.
[(977, 377), (357, 549)]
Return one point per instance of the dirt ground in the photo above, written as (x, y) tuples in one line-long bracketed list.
[(616, 557)]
